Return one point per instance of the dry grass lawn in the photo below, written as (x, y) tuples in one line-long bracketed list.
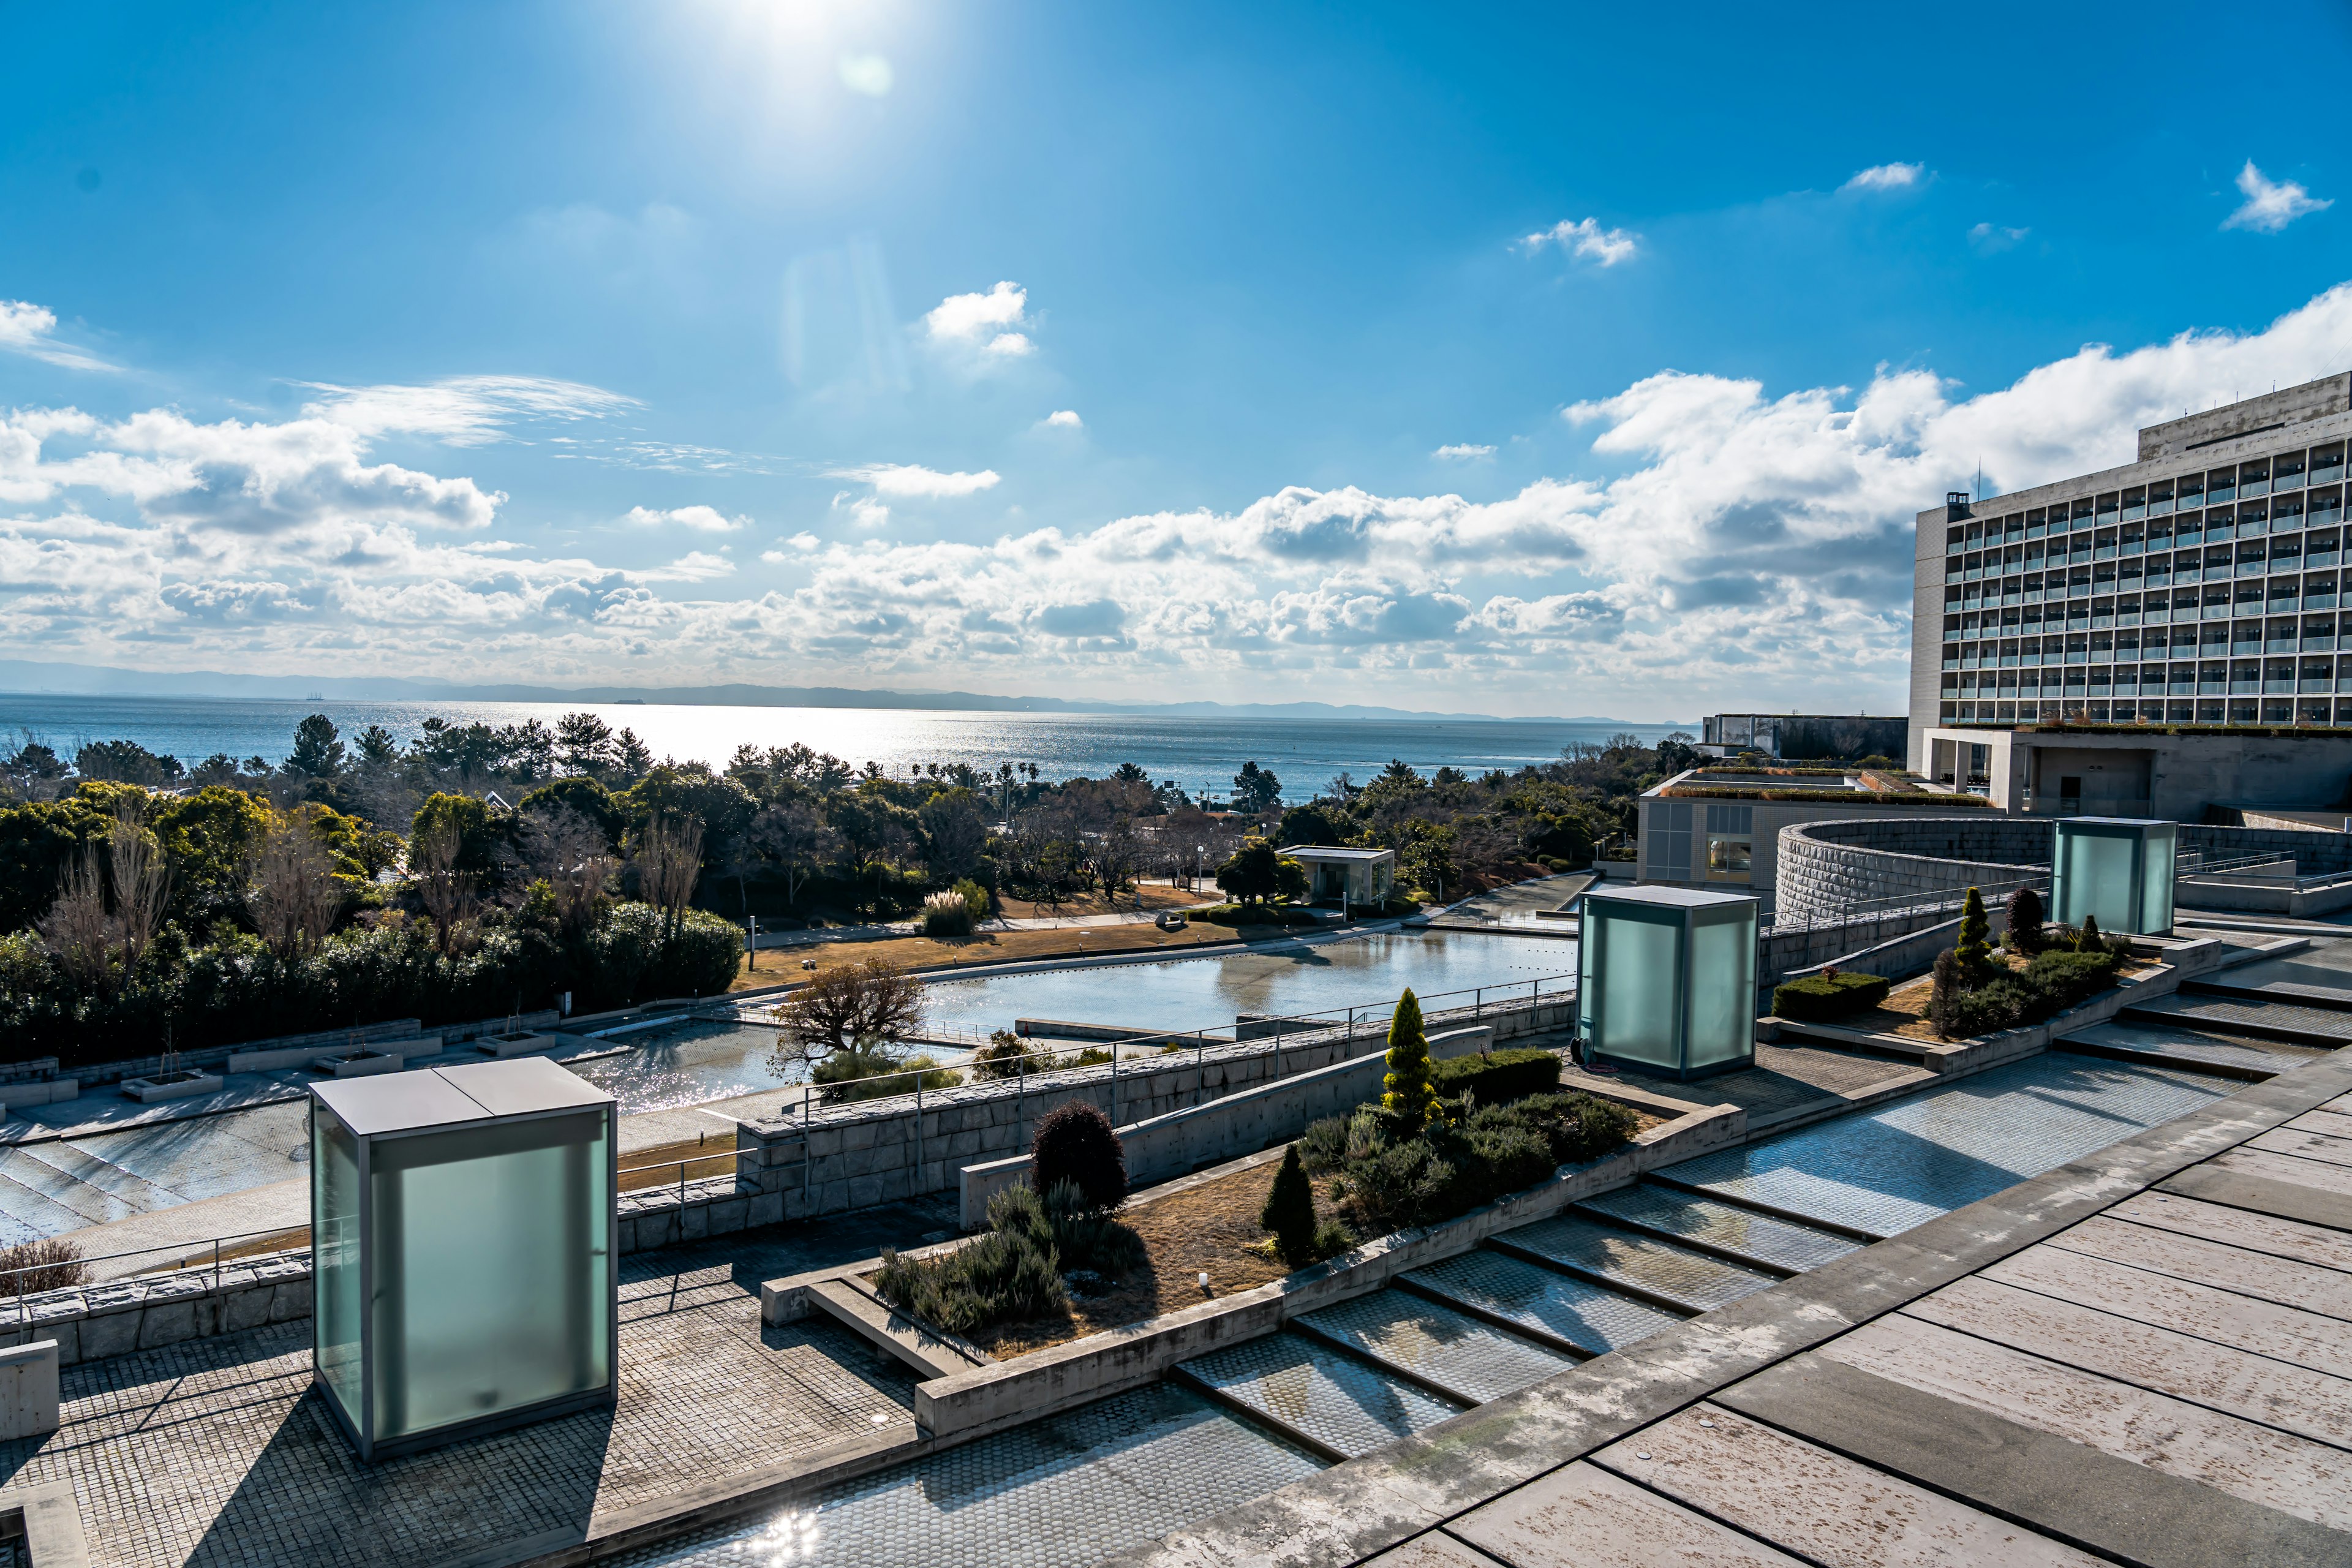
[(780, 966)]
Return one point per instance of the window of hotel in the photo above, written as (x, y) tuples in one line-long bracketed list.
[(1670, 830), (2221, 485), (2286, 470), (2327, 463), (2254, 478)]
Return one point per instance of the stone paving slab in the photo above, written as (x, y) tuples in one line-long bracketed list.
[(217, 1451)]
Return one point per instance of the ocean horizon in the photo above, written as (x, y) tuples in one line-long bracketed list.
[(1199, 752)]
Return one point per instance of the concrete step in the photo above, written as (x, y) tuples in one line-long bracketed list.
[(2296, 1022), (1647, 1267), (1708, 1224), (2199, 1050), (2326, 998), (892, 1332)]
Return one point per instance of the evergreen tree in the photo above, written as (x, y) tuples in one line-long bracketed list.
[(1409, 1093), (1289, 1212), (1974, 947), (2025, 918), (2090, 941)]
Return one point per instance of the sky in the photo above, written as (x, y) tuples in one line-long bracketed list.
[(1512, 361)]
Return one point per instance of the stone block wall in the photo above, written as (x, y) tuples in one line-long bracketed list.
[(93, 1321), (1828, 869)]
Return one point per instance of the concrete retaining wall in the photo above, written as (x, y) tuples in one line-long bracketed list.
[(854, 1156), (1181, 1141)]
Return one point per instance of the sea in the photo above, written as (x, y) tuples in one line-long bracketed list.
[(1198, 754)]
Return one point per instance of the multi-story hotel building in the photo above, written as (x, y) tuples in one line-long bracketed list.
[(2183, 607)]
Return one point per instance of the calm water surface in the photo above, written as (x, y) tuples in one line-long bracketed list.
[(1198, 753)]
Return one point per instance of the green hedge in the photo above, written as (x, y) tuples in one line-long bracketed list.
[(1497, 1076), (1817, 999), (2052, 983)]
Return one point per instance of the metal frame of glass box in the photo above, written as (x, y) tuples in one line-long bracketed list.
[(2119, 868), (1666, 979), (465, 1247)]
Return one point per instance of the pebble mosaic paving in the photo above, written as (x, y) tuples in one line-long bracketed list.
[(1592, 1318), (1064, 1492), (1751, 1235), (1927, 1153), (1457, 1352), (1338, 1401), (1689, 1278)]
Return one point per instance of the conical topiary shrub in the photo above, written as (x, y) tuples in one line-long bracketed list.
[(1974, 947), (2025, 918), (2090, 941), (1076, 1143), (1289, 1212), (1407, 1090)]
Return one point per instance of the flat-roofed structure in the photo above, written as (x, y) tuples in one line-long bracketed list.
[(2152, 638), (1359, 876)]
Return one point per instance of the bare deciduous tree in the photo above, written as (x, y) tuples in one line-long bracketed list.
[(77, 928), (447, 892), (569, 852), (290, 887), (669, 862), (859, 1006), (142, 883)]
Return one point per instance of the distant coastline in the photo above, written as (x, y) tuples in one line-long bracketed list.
[(34, 678)]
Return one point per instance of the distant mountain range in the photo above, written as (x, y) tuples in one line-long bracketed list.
[(100, 680)]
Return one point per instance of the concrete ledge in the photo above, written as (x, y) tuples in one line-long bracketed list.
[(47, 1521), (148, 1091), (2182, 961), (1043, 1381), (310, 1055), (28, 1390)]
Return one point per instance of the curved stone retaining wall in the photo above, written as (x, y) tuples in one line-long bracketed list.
[(1828, 868)]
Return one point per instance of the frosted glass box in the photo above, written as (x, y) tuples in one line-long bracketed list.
[(463, 1246), (1666, 979), (2119, 868)]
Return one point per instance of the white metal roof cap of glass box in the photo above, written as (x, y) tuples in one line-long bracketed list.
[(463, 1250), (1673, 898)]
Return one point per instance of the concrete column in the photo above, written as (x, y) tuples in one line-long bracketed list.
[(28, 1390)]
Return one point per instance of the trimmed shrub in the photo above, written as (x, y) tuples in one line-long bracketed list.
[(1407, 1092), (2051, 984), (1256, 915), (1076, 1143), (1974, 947), (1289, 1211), (1013, 1270), (1494, 1076), (1831, 993), (1397, 1176)]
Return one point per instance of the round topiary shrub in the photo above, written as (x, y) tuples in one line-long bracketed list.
[(1075, 1143)]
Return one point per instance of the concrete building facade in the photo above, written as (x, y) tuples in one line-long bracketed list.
[(2176, 615)]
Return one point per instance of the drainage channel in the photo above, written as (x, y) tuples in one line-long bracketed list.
[(1334, 1383)]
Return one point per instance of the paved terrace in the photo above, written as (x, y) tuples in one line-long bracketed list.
[(2145, 1356)]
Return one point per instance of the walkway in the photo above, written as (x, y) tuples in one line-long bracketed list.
[(2146, 1351), (215, 1452)]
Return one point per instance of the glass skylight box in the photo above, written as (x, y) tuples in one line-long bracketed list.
[(1666, 979), (2119, 869), (463, 1245)]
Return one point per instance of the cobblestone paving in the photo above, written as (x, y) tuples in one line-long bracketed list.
[(1302, 1386), (1594, 1318), (2223, 1012), (1457, 1352), (1740, 1230), (1692, 1280), (1783, 1077), (1064, 1492), (217, 1452)]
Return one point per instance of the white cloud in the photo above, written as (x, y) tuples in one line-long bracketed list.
[(1065, 419), (2270, 204), (1736, 544), (1888, 177), (699, 519), (868, 74), (984, 321), (1585, 237), (1463, 452), (912, 481), (462, 410), (31, 330), (1992, 237)]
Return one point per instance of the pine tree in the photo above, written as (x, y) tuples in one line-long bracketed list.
[(1409, 1093), (1974, 947), (1289, 1212), (2090, 941)]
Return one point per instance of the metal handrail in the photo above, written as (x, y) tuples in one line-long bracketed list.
[(16, 1275)]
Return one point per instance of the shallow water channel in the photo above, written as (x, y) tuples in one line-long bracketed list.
[(1073, 1488)]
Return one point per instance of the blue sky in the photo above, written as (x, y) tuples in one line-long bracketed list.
[(1518, 362)]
